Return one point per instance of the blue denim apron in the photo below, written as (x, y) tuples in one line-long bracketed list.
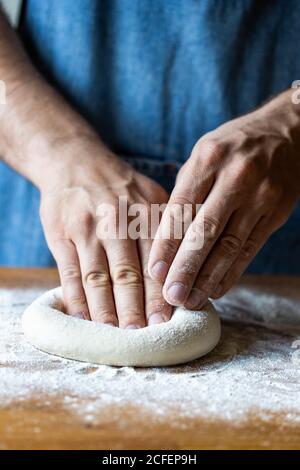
[(153, 76)]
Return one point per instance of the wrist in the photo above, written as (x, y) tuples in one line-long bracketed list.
[(79, 160), (50, 154), (284, 113)]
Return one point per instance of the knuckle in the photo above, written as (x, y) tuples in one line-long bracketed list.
[(209, 152), (98, 278), (82, 225), (127, 276), (211, 228), (71, 273), (255, 168), (231, 244), (249, 250), (110, 210), (250, 166), (112, 214), (76, 301), (183, 208), (208, 148), (246, 170), (180, 200), (240, 174)]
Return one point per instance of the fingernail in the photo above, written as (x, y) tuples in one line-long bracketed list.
[(78, 315), (176, 292), (159, 270), (155, 319), (196, 298), (132, 327)]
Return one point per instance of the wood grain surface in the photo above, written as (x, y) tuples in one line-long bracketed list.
[(33, 424)]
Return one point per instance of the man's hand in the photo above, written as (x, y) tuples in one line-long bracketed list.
[(49, 143), (246, 176), (103, 279)]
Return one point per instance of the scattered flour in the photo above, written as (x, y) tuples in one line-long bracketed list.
[(256, 366)]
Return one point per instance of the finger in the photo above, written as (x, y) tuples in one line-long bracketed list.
[(96, 282), (65, 254), (191, 189), (157, 310), (222, 256), (251, 247), (127, 281), (200, 237)]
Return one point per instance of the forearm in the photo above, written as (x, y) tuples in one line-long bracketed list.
[(35, 119)]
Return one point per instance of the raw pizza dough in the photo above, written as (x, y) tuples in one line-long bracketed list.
[(187, 336)]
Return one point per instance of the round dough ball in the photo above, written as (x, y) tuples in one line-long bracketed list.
[(187, 336)]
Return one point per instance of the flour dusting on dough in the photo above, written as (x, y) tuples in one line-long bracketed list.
[(254, 367)]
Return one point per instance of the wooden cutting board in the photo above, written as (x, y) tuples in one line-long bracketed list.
[(33, 417)]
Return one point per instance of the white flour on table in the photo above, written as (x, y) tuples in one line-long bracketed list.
[(255, 368)]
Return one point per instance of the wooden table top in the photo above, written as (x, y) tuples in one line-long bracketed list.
[(41, 420)]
